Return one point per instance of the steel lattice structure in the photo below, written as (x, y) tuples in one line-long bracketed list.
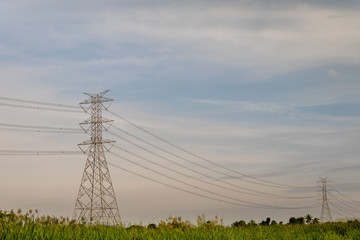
[(96, 201), (325, 210)]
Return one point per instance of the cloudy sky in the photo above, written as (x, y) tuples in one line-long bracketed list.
[(268, 88)]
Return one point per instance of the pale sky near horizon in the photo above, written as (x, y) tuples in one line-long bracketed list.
[(268, 88)]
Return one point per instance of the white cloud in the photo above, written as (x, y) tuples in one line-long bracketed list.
[(263, 40), (131, 61), (300, 36), (244, 106), (332, 73)]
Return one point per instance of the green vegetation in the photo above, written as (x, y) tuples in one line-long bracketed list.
[(32, 226)]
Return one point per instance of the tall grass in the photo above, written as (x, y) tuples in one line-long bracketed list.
[(32, 226)]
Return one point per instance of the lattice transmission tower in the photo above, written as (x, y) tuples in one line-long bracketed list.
[(96, 201), (325, 215)]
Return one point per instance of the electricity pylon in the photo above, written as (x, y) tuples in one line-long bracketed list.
[(325, 210), (96, 201)]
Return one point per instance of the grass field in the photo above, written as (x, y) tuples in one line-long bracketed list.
[(32, 226)]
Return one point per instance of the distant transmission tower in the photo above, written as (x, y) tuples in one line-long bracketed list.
[(96, 201), (325, 210)]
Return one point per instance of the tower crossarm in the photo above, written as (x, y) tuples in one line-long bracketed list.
[(101, 120), (89, 142)]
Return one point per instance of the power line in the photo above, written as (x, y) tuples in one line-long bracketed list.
[(38, 152), (39, 131), (177, 188), (180, 165), (347, 207), (202, 189), (339, 213), (185, 183), (32, 152), (10, 125), (180, 157), (341, 201), (273, 184), (265, 182), (253, 192), (39, 102), (355, 202), (39, 108), (184, 190), (342, 209)]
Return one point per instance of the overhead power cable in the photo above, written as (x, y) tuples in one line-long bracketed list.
[(342, 209), (346, 207), (332, 210), (39, 102), (35, 152), (202, 189), (177, 188), (272, 184), (191, 192), (250, 191), (344, 203), (38, 130), (344, 196), (180, 157), (40, 108), (185, 183), (10, 125)]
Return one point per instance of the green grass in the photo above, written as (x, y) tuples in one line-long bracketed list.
[(31, 226)]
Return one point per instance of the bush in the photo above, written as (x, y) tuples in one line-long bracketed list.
[(240, 223)]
